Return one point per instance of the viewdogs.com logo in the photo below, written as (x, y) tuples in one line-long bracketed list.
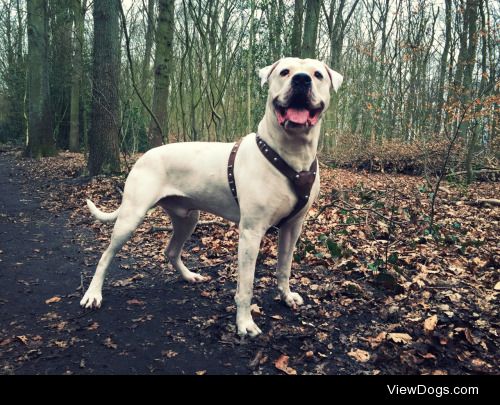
[(438, 392)]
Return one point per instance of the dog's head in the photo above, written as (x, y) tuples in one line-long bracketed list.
[(299, 91)]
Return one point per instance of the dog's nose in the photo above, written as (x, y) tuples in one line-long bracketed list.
[(301, 79)]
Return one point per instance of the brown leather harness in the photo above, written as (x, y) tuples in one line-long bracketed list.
[(301, 182)]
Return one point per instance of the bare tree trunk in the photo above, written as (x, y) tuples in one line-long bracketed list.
[(76, 77), (443, 67), (20, 31), (149, 43), (61, 22), (298, 17), (105, 116), (162, 71), (471, 147), (40, 140), (465, 67), (337, 28), (249, 68), (310, 28)]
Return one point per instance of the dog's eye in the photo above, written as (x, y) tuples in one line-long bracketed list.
[(318, 75), (284, 72)]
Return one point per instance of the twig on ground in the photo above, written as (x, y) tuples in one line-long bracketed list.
[(482, 202), (349, 209)]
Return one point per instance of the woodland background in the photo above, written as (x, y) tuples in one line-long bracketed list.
[(111, 79)]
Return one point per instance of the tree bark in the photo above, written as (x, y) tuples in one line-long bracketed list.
[(162, 71), (471, 147), (150, 31), (249, 68), (298, 18), (443, 66), (40, 140), (61, 22), (310, 29), (76, 76), (105, 115)]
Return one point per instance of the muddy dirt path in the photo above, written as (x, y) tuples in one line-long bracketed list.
[(152, 324), (40, 259)]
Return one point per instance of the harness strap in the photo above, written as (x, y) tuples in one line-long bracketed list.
[(301, 182), (230, 170)]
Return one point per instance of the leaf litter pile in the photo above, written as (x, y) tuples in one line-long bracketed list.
[(383, 293)]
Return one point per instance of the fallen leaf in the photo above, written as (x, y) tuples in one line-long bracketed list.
[(478, 363), (479, 263), (305, 281), (127, 281), (135, 302), (169, 353), (61, 343), (259, 359), (352, 288), (5, 342), (94, 326), (255, 310), (61, 325), (53, 299), (470, 337), (377, 340), (109, 343), (359, 355), (399, 337), (497, 286), (23, 338), (430, 324), (282, 364)]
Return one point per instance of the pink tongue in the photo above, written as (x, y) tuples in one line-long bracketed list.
[(297, 116)]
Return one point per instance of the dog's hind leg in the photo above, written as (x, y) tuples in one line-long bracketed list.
[(129, 218), (183, 226)]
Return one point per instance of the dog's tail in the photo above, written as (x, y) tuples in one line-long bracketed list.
[(102, 216)]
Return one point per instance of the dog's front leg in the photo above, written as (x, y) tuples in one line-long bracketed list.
[(248, 249), (289, 233)]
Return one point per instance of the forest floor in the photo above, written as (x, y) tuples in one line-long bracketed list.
[(383, 295)]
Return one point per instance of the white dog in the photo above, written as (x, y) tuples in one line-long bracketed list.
[(184, 178)]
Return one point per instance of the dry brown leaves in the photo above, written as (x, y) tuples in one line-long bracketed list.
[(428, 298)]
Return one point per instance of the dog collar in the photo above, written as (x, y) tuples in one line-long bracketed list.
[(301, 182)]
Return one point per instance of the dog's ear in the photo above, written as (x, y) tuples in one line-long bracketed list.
[(265, 72), (335, 77)]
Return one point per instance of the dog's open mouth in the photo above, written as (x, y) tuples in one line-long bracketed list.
[(298, 113)]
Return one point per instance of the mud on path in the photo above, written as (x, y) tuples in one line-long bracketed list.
[(152, 322)]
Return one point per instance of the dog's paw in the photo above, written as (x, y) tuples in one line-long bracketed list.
[(248, 327), (91, 299), (293, 300), (194, 277)]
